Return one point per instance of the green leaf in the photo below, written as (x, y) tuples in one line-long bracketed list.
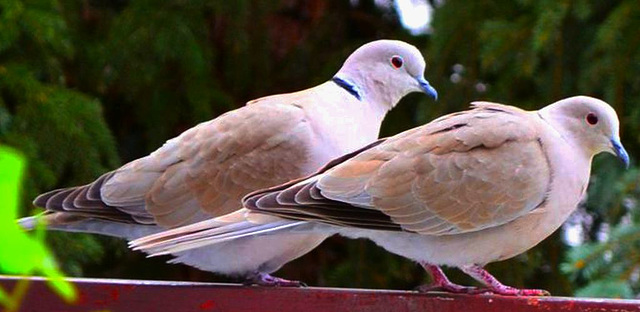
[(607, 289), (21, 253)]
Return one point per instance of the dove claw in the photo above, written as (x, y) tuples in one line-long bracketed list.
[(264, 279), (511, 291), (442, 283), (494, 286), (450, 288)]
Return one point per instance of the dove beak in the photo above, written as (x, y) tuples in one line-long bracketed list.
[(619, 150), (427, 88)]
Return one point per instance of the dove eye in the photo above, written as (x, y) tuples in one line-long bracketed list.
[(592, 119), (396, 61)]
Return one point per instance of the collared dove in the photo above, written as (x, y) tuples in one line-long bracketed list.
[(467, 189), (206, 170)]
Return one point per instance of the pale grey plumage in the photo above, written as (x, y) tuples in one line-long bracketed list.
[(466, 189), (206, 170)]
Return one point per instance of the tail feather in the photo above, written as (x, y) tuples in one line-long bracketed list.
[(199, 241), (205, 233), (237, 216), (174, 234), (194, 240), (49, 219), (28, 223)]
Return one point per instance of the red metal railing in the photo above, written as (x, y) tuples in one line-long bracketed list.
[(142, 296)]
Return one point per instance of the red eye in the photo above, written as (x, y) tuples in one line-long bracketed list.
[(396, 61), (592, 119)]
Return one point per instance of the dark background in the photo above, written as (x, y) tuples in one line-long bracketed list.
[(86, 86)]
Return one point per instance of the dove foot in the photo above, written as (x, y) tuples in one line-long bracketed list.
[(442, 283), (496, 287), (264, 279), (450, 288), (512, 291)]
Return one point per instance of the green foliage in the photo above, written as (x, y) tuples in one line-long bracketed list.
[(150, 70), (33, 257), (61, 132), (80, 80), (531, 53), (606, 288), (610, 266)]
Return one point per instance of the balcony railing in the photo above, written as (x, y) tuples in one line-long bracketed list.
[(142, 296)]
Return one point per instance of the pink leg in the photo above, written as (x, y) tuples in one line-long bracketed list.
[(494, 285), (441, 282), (264, 279)]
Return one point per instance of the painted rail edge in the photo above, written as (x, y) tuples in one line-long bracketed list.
[(138, 295)]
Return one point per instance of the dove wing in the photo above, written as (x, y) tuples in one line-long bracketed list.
[(461, 173), (204, 171)]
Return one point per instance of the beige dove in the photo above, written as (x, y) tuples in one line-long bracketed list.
[(206, 170), (465, 190)]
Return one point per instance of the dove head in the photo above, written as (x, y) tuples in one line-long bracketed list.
[(383, 72), (589, 122)]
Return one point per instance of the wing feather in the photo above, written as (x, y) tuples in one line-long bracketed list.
[(461, 173), (203, 172)]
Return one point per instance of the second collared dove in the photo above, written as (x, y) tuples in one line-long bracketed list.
[(206, 170), (464, 190)]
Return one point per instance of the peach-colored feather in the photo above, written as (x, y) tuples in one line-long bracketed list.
[(463, 173)]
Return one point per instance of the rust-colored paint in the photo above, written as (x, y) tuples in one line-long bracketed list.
[(130, 295), (207, 305), (533, 301)]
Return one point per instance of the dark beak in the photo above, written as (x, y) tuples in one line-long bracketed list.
[(620, 151), (427, 88)]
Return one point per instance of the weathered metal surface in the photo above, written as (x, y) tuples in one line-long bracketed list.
[(142, 296)]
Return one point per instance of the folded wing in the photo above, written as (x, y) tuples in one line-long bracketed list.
[(203, 172), (461, 173)]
